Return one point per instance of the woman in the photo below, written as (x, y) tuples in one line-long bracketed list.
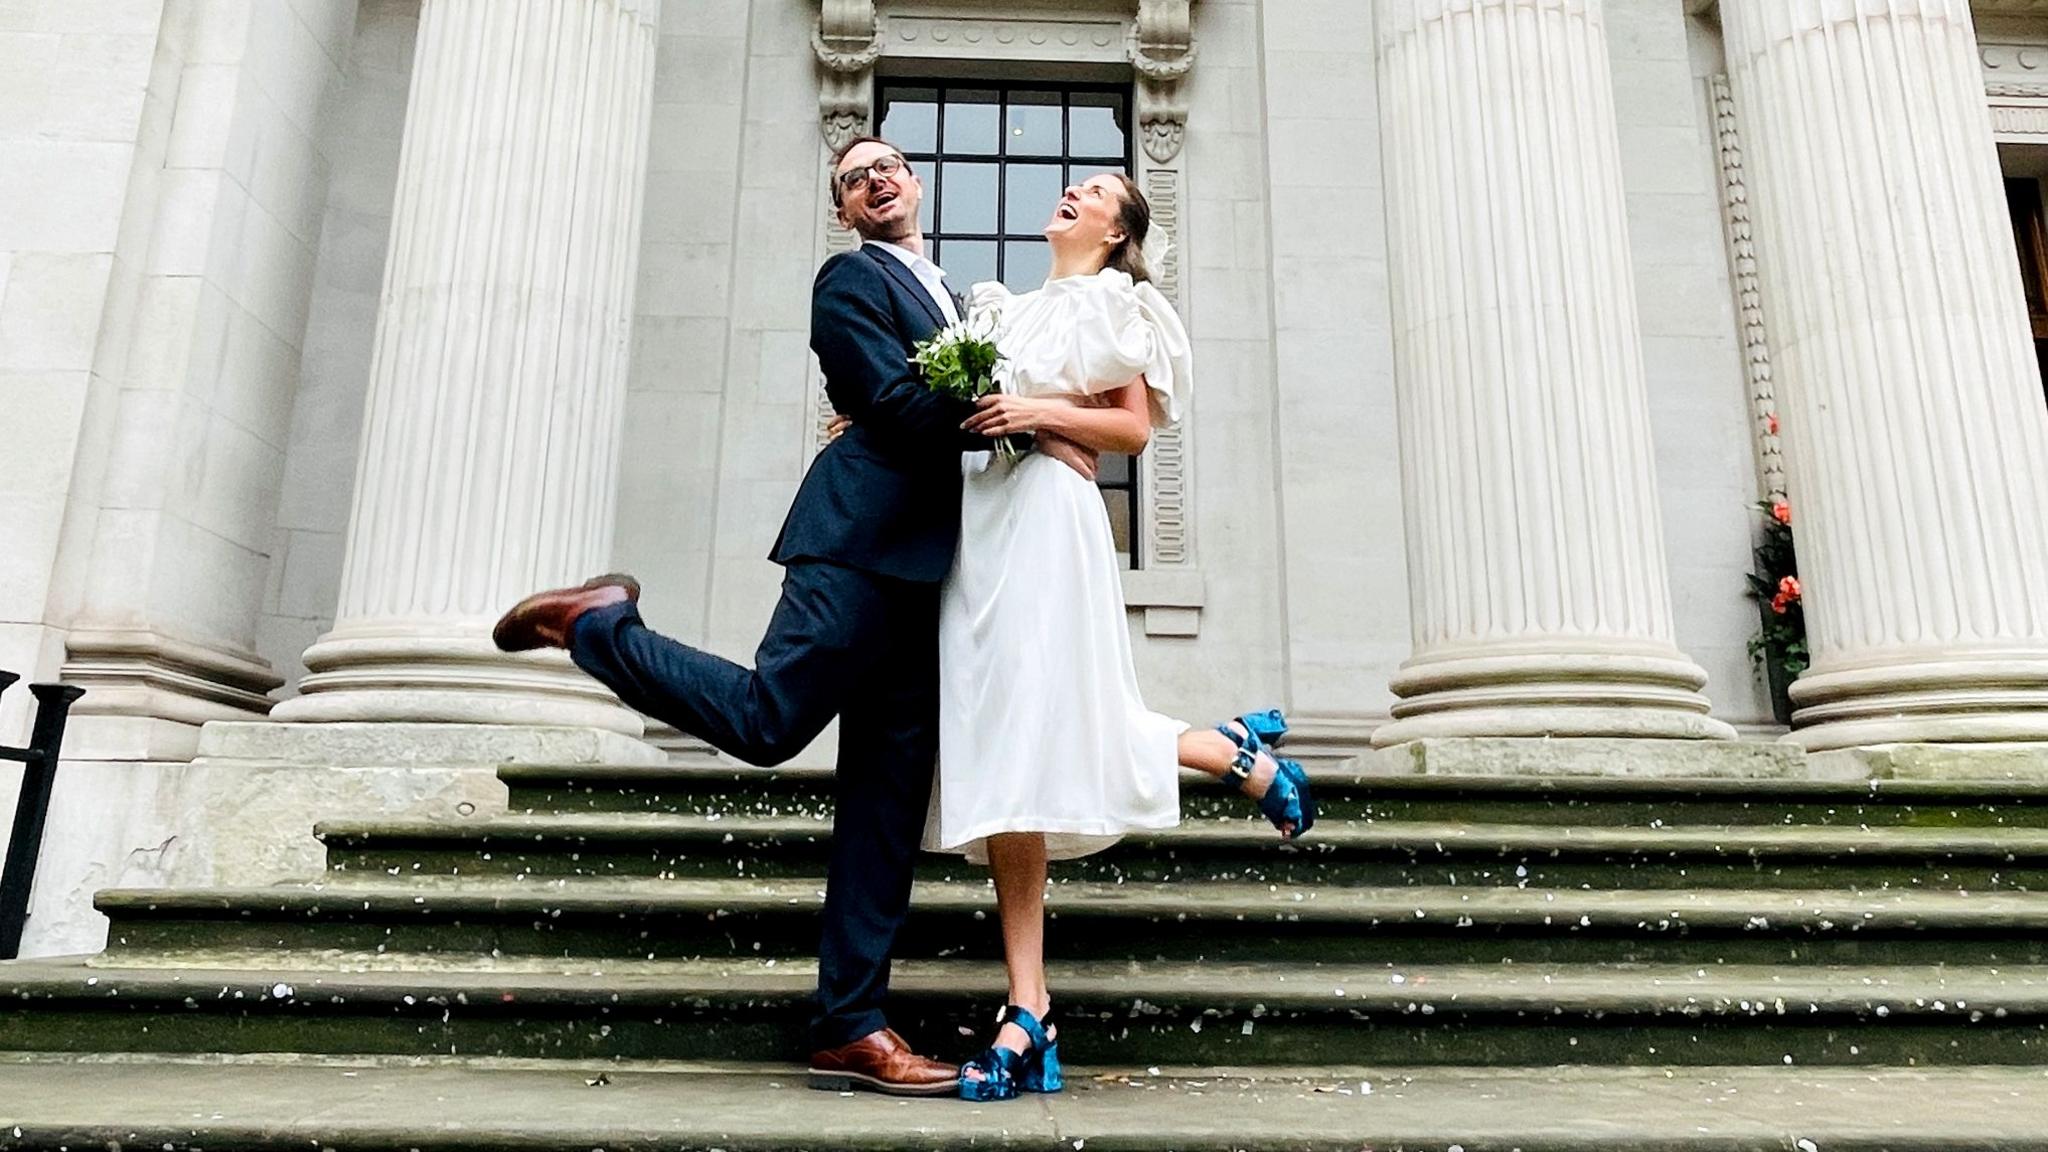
[(1047, 750)]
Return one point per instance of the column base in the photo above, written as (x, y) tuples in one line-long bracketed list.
[(1633, 695), (1938, 762), (408, 677), (147, 695), (1642, 759), (2002, 699)]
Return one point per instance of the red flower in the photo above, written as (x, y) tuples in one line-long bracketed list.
[(1782, 513), (1788, 595)]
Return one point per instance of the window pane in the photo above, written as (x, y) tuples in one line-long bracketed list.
[(1082, 173), (910, 119), (1119, 504), (969, 262), (1026, 263), (1096, 120), (971, 122), (968, 198), (931, 191), (1034, 124), (1113, 468), (1029, 196)]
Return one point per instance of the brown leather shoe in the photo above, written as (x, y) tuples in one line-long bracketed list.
[(543, 619), (882, 1062)]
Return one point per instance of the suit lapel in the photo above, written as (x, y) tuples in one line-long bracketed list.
[(910, 282)]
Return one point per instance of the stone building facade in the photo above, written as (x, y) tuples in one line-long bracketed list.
[(327, 327)]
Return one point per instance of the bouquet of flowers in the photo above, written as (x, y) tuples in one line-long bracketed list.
[(960, 360)]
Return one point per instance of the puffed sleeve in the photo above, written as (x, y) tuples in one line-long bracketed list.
[(986, 297), (1134, 330)]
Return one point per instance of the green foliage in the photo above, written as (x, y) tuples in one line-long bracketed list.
[(1781, 641), (958, 361)]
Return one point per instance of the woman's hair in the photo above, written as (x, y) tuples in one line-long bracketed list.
[(1135, 218)]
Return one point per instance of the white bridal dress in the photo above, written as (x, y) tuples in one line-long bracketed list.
[(1041, 725)]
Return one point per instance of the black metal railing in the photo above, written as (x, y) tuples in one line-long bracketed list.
[(39, 775)]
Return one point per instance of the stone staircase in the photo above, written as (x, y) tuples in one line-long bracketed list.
[(1582, 931)]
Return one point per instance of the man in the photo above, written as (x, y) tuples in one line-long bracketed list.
[(866, 544)]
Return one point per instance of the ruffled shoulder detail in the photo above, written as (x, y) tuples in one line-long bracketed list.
[(1146, 336), (1086, 335), (988, 296)]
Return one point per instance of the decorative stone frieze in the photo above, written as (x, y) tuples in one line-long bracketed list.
[(1075, 39), (1740, 231)]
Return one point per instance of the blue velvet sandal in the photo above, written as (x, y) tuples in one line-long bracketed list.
[(1287, 799), (1004, 1073)]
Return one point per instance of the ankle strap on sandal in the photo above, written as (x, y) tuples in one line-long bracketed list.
[(1023, 1018)]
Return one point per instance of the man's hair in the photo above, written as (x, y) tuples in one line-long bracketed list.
[(839, 158)]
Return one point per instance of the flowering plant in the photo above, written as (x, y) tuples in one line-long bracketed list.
[(1779, 648), (960, 361)]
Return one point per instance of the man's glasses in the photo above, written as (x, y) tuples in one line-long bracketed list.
[(883, 169)]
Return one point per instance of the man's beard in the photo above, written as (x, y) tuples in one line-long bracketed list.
[(888, 232)]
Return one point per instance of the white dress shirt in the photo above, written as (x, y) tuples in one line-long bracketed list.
[(928, 274)]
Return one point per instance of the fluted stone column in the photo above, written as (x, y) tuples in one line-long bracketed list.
[(1915, 438), (489, 457), (1536, 563)]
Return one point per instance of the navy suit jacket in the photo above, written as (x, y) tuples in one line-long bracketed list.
[(885, 497)]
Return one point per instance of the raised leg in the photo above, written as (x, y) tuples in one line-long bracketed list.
[(825, 631)]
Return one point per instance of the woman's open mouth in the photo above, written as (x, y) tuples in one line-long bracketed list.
[(1066, 212)]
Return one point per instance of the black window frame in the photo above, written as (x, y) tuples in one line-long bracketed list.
[(931, 164)]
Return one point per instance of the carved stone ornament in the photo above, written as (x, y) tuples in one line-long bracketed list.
[(848, 41), (1741, 237), (848, 37), (1162, 44), (1162, 50), (1164, 133)]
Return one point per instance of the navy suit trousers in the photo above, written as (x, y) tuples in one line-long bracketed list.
[(844, 643)]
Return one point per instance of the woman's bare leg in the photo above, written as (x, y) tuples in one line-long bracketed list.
[(1210, 751), (1018, 861), (1207, 750)]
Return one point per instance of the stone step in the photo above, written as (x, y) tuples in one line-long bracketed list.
[(269, 1107), (1339, 852), (771, 917), (1116, 1012), (712, 787)]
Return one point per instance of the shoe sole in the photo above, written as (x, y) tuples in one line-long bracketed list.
[(857, 1082)]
